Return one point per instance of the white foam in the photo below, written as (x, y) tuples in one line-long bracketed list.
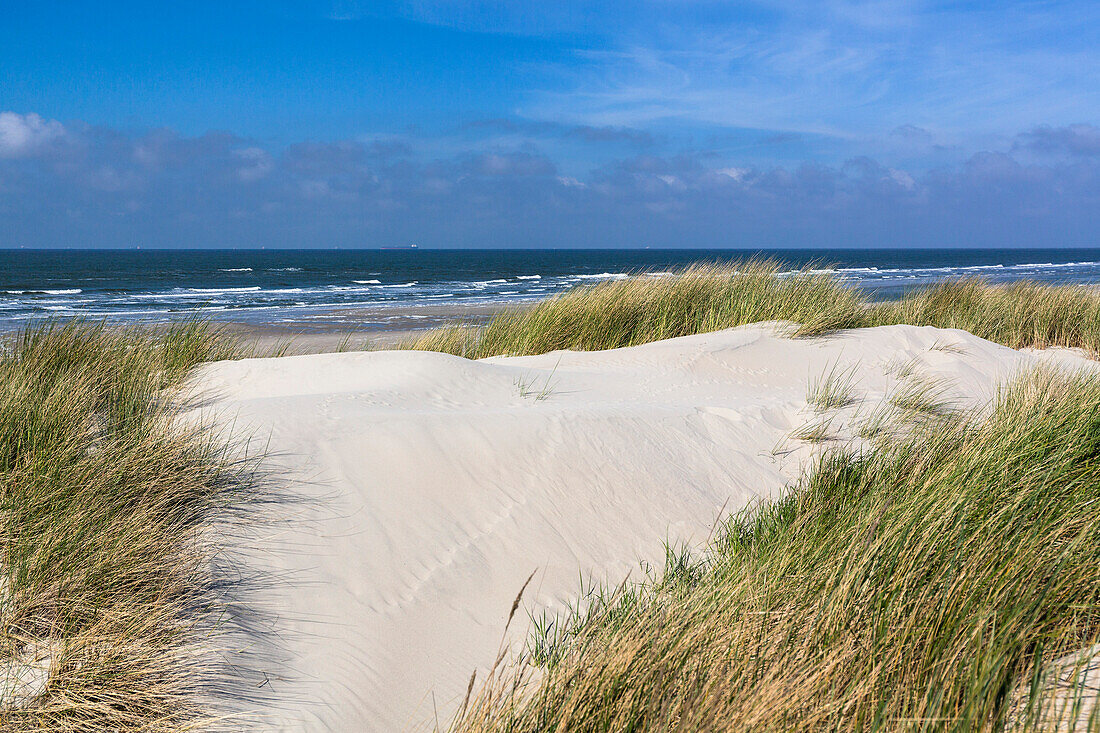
[(603, 276), (63, 291)]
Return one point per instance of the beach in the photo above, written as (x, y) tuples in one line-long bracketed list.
[(431, 487)]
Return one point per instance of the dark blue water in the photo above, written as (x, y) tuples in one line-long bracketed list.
[(274, 287)]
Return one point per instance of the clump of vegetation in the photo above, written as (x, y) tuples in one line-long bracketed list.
[(926, 584), (104, 578), (832, 390), (816, 431), (706, 298), (918, 397), (1023, 314), (637, 310)]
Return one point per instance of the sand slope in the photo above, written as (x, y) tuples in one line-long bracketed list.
[(433, 486)]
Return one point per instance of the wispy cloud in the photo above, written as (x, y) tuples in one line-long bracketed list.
[(542, 129), (841, 68)]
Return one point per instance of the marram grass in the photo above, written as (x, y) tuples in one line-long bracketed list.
[(706, 298), (638, 310), (927, 584), (103, 568), (1023, 314)]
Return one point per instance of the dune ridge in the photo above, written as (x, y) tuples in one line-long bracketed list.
[(434, 486)]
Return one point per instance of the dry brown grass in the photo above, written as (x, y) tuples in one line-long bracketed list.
[(104, 568)]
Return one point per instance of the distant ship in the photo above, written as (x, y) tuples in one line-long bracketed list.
[(406, 246)]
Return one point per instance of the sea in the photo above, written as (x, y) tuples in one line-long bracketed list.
[(337, 287)]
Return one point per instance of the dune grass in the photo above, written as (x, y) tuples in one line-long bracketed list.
[(1023, 314), (703, 298), (104, 583), (923, 585), (638, 310), (832, 390)]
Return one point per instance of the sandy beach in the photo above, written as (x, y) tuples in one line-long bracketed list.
[(431, 487)]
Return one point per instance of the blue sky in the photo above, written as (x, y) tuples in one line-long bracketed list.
[(465, 123)]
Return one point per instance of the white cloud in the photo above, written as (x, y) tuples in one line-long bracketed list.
[(737, 174), (903, 179), (570, 182), (255, 163), (24, 135), (179, 191)]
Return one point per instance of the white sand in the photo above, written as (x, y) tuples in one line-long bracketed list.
[(433, 488)]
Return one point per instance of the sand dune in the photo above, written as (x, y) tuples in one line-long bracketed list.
[(433, 486)]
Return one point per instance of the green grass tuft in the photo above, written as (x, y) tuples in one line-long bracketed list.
[(832, 390), (648, 308), (1023, 314), (103, 567)]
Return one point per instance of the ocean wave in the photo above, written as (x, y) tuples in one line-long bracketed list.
[(1054, 265), (483, 283), (368, 282), (604, 276), (528, 277), (952, 269), (63, 291), (250, 289), (347, 289), (284, 269), (191, 293), (402, 285), (235, 269)]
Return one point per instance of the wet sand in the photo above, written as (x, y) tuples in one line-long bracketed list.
[(355, 329)]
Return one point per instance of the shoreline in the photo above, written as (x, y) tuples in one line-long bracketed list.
[(332, 333), (328, 331)]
